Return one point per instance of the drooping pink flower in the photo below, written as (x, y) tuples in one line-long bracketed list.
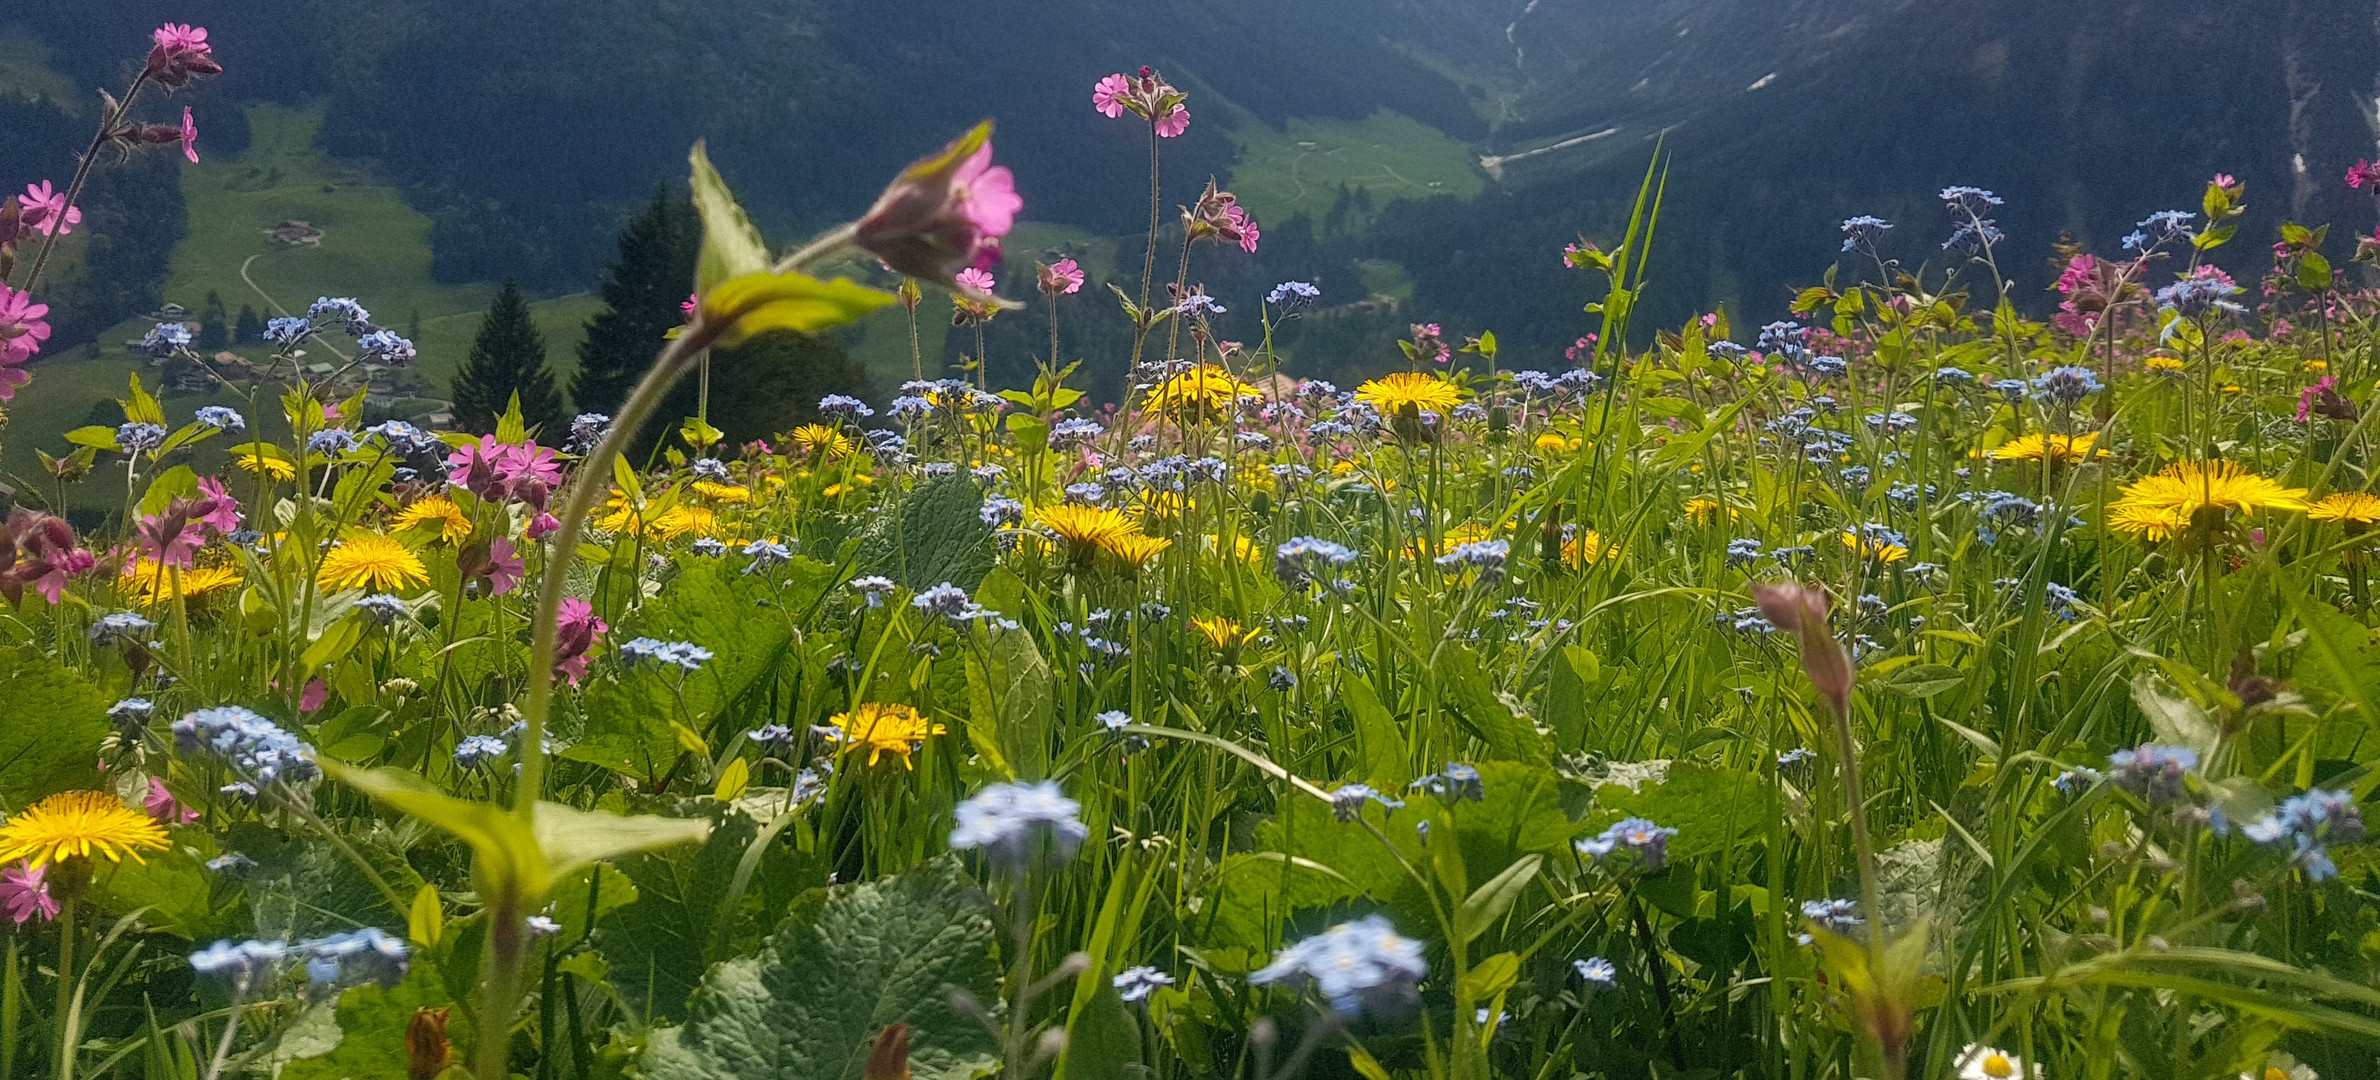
[(945, 213), (189, 136), (1174, 123), (1061, 278), (163, 808), (504, 566), (38, 549), (1801, 610), (45, 211), (170, 537), (22, 328), (224, 516), (2305, 398), (575, 634), (314, 695), (25, 895), (179, 52), (2363, 172), (503, 471), (692, 301), (541, 526), (1107, 97)]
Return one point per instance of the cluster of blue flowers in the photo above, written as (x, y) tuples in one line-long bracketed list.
[(1347, 803), (1649, 841), (334, 962), (1012, 823), (1864, 229), (1294, 293), (1967, 206), (844, 407), (477, 750), (765, 555), (256, 748), (139, 437), (1456, 782), (2153, 772), (221, 418), (2308, 824), (1355, 966), (686, 656), (1839, 917), (589, 428), (121, 626)]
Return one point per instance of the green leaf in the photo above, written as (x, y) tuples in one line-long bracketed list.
[(1711, 808), (1009, 693), (811, 1002), (936, 535), (172, 890), (1488, 903), (731, 247), (1380, 753), (758, 303), (1923, 680), (1494, 717), (372, 1025), (96, 436), (2313, 272), (140, 408), (510, 427), (660, 945), (1103, 1041), (49, 730), (2176, 720), (1491, 976)]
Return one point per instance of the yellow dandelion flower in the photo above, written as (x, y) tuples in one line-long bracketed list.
[(1587, 548), (2034, 447), (1225, 634), (1879, 548), (1135, 550), (1392, 392), (1158, 505), (2314, 367), (849, 486), (436, 512), (2161, 364), (820, 440), (2159, 506), (884, 728), (143, 581), (1201, 389), (1703, 510), (2354, 507), (1084, 528), (77, 824), (1244, 547), (257, 461), (1551, 443), (370, 560), (718, 492), (684, 520)]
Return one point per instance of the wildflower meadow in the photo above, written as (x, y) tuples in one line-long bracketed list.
[(1956, 679)]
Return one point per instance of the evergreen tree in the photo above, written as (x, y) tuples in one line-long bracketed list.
[(760, 389), (508, 357), (250, 329), (642, 288), (214, 325)]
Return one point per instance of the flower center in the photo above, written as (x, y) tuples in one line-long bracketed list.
[(2273, 1072), (1997, 1067)]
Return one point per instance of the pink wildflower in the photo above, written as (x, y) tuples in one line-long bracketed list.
[(692, 301), (504, 566), (501, 471), (179, 52), (314, 695), (163, 808), (24, 895), (975, 280), (1062, 278), (168, 538), (577, 632), (224, 516), (38, 549), (945, 213), (189, 136), (1175, 122), (22, 330), (45, 211), (542, 526), (2363, 172), (1107, 97)]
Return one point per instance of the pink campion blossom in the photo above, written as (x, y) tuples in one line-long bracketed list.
[(575, 633), (501, 567), (179, 52), (170, 537), (945, 213), (541, 526), (1580, 349), (1107, 97), (693, 301), (45, 211), (189, 136), (224, 516), (503, 471), (2363, 172), (1175, 122), (1061, 278), (38, 549), (2225, 180), (2306, 397), (22, 329), (163, 808), (974, 280), (25, 895), (316, 693)]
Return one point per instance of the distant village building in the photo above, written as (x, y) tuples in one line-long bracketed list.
[(296, 233)]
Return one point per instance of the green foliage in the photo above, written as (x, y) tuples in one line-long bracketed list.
[(49, 730), (642, 288), (372, 1022), (935, 535), (811, 1001)]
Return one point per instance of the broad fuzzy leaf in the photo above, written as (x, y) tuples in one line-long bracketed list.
[(809, 1004)]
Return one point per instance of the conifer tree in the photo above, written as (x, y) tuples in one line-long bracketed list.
[(508, 357), (214, 325), (642, 288), (250, 328)]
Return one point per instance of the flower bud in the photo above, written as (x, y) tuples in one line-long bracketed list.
[(944, 213), (1801, 609)]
